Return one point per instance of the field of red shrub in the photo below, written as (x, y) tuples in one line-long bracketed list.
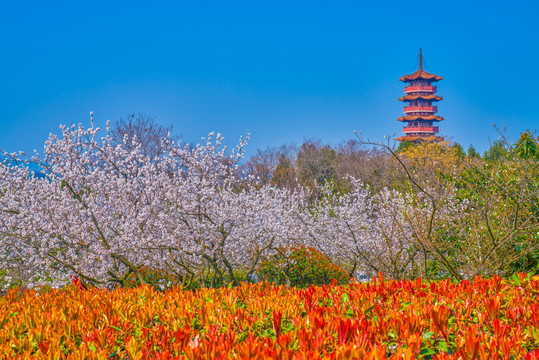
[(484, 319)]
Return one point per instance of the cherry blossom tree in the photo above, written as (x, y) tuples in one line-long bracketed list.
[(363, 232), (103, 211)]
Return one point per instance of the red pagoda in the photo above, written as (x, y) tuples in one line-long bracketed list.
[(420, 94)]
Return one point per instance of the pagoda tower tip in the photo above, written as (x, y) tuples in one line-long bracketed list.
[(420, 59)]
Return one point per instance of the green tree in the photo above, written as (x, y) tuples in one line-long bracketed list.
[(472, 153), (497, 232), (526, 147), (496, 152), (459, 150)]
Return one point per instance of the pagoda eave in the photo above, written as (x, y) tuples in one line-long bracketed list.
[(420, 117), (428, 97), (421, 75)]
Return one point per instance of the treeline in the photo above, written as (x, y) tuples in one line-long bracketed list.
[(313, 162), (111, 205)]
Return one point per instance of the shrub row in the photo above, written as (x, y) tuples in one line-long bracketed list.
[(486, 318)]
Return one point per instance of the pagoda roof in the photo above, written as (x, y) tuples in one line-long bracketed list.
[(421, 96), (420, 138), (420, 74), (420, 117)]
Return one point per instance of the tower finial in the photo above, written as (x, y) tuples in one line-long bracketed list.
[(420, 60)]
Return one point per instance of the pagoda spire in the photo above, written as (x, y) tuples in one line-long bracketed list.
[(420, 59)]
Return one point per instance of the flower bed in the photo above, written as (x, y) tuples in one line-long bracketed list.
[(486, 318)]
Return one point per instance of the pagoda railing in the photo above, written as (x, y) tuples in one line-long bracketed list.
[(412, 108), (409, 129), (413, 88)]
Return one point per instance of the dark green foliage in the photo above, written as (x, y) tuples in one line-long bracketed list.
[(503, 197), (405, 145), (302, 267), (526, 146), (459, 150), (472, 152), (496, 152)]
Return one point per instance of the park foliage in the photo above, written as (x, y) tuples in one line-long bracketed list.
[(111, 210), (145, 247)]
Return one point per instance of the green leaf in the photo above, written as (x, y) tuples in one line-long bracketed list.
[(369, 309), (442, 346), (427, 352)]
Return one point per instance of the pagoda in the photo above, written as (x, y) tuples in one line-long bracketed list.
[(420, 94)]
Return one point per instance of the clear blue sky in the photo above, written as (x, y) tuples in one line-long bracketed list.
[(285, 70)]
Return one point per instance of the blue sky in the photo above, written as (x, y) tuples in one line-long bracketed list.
[(284, 70)]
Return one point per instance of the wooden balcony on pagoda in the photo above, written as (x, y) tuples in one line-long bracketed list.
[(417, 88), (420, 129), (415, 108)]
